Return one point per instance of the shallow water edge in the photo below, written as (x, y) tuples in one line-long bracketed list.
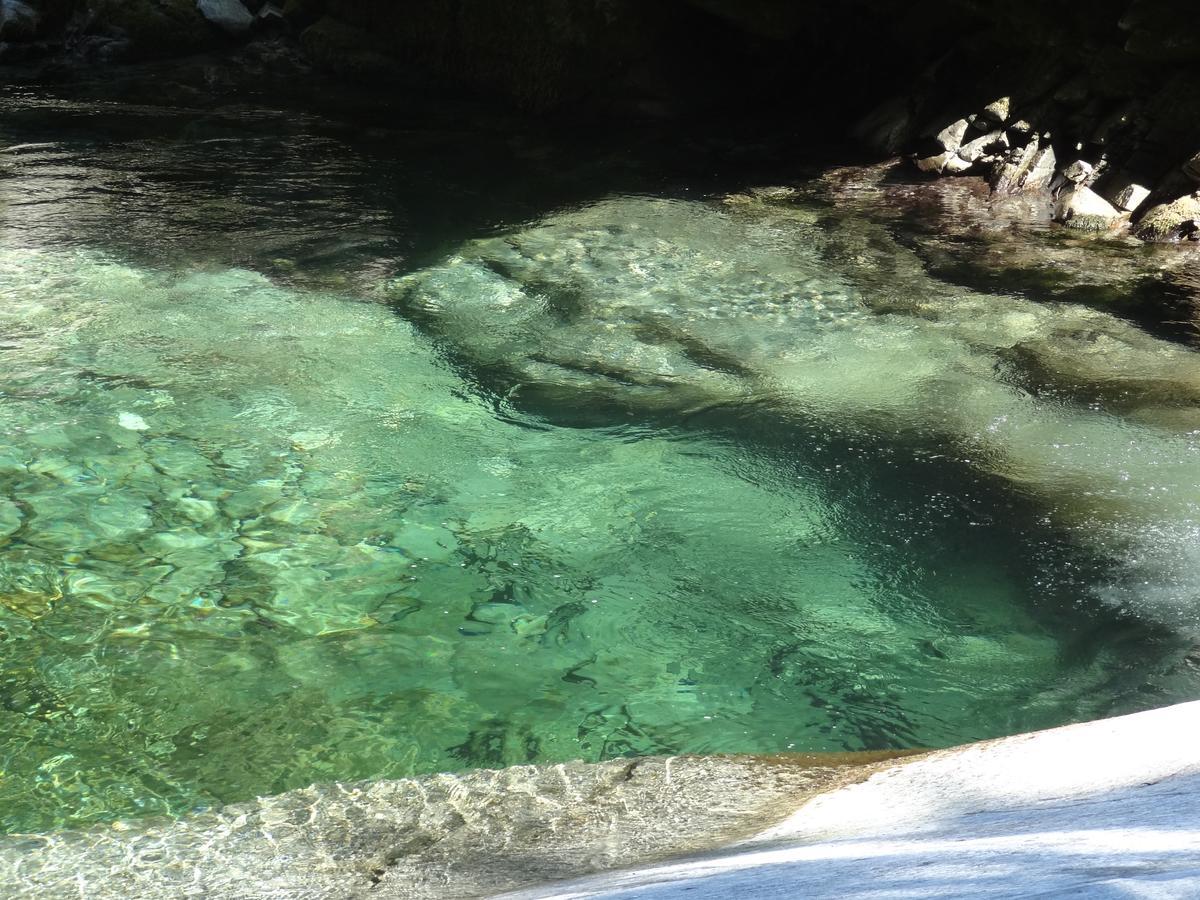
[(1010, 803)]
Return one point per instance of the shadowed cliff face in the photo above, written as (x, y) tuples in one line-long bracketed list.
[(806, 61), (1109, 79)]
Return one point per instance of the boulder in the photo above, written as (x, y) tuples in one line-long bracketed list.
[(1171, 221), (951, 137), (935, 163), (956, 165), (992, 142), (18, 21), (1191, 168), (1130, 197), (228, 15), (1082, 208), (149, 29), (1025, 169), (1078, 172), (997, 111)]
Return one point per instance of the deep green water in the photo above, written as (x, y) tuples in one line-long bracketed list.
[(293, 488)]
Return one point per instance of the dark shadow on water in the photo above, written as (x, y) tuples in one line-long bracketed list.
[(342, 195)]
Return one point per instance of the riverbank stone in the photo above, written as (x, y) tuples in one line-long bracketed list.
[(228, 15)]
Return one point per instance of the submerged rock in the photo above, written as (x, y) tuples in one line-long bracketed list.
[(674, 306), (10, 518)]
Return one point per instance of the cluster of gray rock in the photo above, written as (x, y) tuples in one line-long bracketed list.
[(113, 30), (1089, 195)]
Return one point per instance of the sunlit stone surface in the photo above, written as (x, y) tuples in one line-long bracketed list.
[(444, 836), (1101, 809), (1105, 809)]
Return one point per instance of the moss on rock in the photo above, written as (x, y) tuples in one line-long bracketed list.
[(1170, 221)]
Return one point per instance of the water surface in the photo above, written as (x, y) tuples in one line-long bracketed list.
[(266, 519)]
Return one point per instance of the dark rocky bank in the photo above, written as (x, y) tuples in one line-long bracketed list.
[(1089, 107)]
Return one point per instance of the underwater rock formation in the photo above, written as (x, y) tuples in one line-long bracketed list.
[(657, 304)]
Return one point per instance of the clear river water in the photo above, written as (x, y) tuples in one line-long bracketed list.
[(331, 452)]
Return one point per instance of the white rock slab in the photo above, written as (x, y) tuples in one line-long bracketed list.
[(1102, 809)]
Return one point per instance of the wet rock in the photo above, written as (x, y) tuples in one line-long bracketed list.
[(228, 15), (997, 111), (1028, 169), (951, 137), (935, 163), (1171, 221), (992, 142), (18, 21), (1130, 197), (1191, 168), (1082, 208), (1078, 172)]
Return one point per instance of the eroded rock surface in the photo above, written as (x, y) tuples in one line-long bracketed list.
[(1103, 809), (443, 836)]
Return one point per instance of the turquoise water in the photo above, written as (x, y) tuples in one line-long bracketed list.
[(280, 503)]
